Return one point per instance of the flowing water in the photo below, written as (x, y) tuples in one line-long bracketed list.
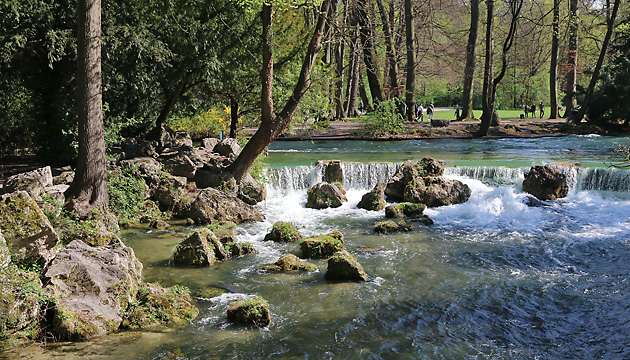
[(502, 276)]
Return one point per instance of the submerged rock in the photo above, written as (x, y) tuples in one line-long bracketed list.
[(391, 226), (287, 263), (322, 246), (253, 311), (545, 183), (201, 248), (325, 195), (405, 209), (213, 205), (26, 229), (283, 232), (90, 288), (156, 305), (375, 199), (343, 266)]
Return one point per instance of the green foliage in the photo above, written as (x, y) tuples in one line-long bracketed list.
[(126, 195), (205, 124), (385, 120)]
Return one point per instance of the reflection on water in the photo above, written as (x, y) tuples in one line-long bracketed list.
[(493, 278)]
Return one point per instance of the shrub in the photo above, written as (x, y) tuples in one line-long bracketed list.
[(205, 124), (385, 120)]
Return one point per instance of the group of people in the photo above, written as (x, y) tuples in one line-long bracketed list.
[(420, 112), (531, 109)]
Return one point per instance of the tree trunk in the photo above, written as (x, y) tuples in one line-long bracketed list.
[(272, 124), (233, 116), (410, 85), (553, 72), (487, 103), (339, 65), (171, 100), (89, 187), (363, 95), (471, 57), (570, 100), (369, 57), (600, 62), (390, 50), (353, 73)]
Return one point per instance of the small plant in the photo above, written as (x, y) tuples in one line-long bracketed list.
[(386, 120), (126, 192)]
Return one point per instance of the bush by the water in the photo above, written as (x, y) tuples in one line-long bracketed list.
[(385, 120)]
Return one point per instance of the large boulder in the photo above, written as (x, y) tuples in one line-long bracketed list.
[(283, 232), (375, 199), (179, 165), (343, 266), (146, 167), (20, 305), (410, 170), (26, 229), (322, 246), (156, 305), (436, 191), (209, 143), (251, 191), (333, 171), (213, 205), (134, 148), (91, 288), (182, 140), (202, 248), (228, 147), (216, 177), (33, 182), (170, 191), (289, 263), (253, 312), (225, 231), (239, 248), (545, 183), (324, 195)]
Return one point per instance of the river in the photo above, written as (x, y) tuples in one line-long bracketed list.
[(499, 277)]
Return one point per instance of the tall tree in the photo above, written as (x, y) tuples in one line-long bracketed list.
[(89, 187), (600, 62), (553, 63), (490, 116), (272, 123), (369, 56), (390, 49), (471, 59), (410, 85), (570, 99)]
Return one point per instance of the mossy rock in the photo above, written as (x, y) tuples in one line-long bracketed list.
[(289, 263), (240, 248), (374, 200), (156, 305), (20, 302), (284, 232), (196, 250), (391, 226), (407, 209), (322, 246), (253, 311), (343, 266), (209, 292), (225, 231), (324, 195)]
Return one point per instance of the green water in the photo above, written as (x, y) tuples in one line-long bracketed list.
[(494, 278)]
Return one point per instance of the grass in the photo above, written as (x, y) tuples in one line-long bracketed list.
[(504, 114)]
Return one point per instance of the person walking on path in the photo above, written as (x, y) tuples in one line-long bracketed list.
[(430, 109), (542, 109), (420, 113)]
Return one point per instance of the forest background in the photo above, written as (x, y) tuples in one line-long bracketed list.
[(196, 64)]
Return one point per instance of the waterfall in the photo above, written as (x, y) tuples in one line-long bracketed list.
[(364, 176), (491, 175), (603, 179)]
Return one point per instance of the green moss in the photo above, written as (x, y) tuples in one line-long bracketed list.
[(322, 246), (404, 209), (253, 311), (284, 232), (289, 262), (21, 298), (391, 226), (156, 305)]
